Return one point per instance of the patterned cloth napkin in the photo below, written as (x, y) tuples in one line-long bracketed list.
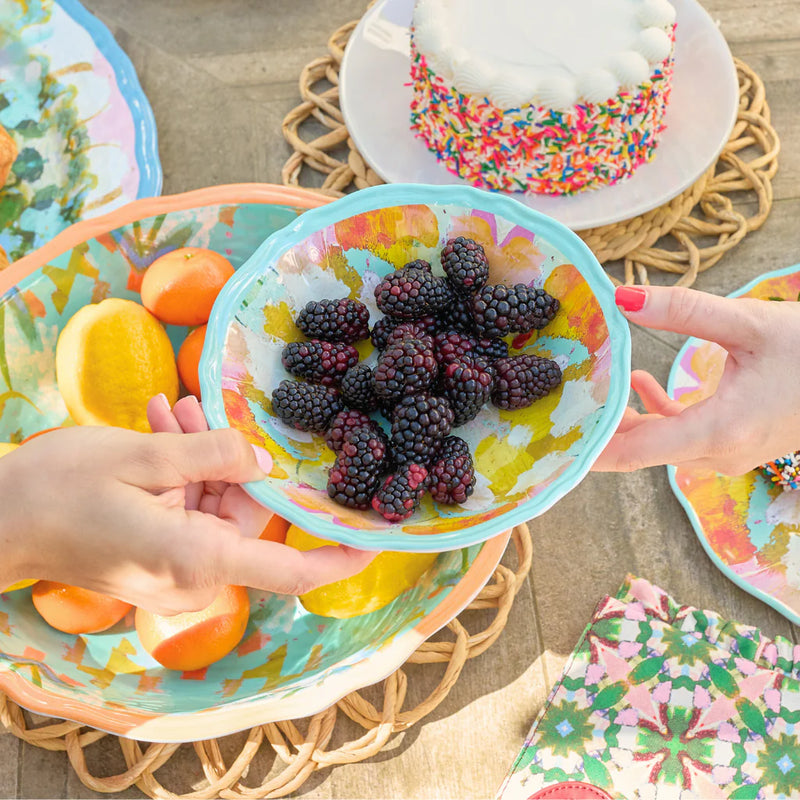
[(661, 700)]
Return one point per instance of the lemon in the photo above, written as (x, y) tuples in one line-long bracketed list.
[(387, 576), (9, 447), (111, 358)]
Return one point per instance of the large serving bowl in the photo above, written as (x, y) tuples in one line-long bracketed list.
[(290, 663), (525, 460)]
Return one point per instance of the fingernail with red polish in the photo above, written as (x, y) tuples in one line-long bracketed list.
[(263, 458), (630, 298)]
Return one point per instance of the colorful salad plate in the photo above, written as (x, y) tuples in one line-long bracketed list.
[(525, 460), (83, 128), (290, 663), (748, 524)]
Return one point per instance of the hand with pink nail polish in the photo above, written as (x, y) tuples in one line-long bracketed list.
[(754, 414), (159, 520)]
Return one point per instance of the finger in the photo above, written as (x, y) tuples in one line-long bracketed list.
[(630, 419), (190, 415), (728, 321), (236, 506), (660, 440), (161, 417), (653, 397), (285, 570), (166, 459)]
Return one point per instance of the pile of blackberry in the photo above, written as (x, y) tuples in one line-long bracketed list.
[(442, 354)]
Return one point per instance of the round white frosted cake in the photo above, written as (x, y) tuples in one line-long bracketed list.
[(541, 96)]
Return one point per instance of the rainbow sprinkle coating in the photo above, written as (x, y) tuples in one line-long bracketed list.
[(784, 471), (536, 149)]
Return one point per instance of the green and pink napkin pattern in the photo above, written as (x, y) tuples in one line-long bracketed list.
[(661, 700)]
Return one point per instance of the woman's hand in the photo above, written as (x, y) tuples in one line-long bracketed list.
[(754, 414), (158, 520)]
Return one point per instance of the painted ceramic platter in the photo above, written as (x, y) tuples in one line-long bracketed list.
[(748, 525), (375, 96), (70, 99), (290, 663)]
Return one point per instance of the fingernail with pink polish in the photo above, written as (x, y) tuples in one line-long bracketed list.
[(162, 400), (630, 298), (263, 458)]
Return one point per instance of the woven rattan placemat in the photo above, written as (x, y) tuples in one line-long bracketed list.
[(683, 237)]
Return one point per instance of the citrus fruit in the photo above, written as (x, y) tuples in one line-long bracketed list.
[(275, 529), (72, 609), (7, 447), (194, 639), (181, 286), (189, 358), (388, 576), (111, 358)]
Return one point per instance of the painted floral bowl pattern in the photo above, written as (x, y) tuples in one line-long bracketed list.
[(749, 526), (290, 663), (525, 460), (71, 101)]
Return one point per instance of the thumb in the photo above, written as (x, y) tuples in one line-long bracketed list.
[(726, 321), (175, 459)]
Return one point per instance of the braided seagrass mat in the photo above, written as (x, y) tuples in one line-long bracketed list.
[(683, 237), (295, 748)]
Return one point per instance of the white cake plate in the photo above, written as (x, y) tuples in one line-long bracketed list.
[(375, 98)]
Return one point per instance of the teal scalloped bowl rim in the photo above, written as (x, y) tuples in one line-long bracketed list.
[(147, 159), (386, 195), (692, 341)]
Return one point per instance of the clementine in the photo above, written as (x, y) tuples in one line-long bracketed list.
[(275, 529), (72, 609), (194, 639), (111, 358), (181, 286), (189, 359)]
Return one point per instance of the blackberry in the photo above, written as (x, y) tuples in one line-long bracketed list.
[(356, 473), (520, 380), (358, 388), (442, 294), (410, 330), (384, 327), (452, 447), (319, 361), (406, 293), (306, 406), (465, 264), (405, 368), (457, 316), (542, 309), (418, 263), (452, 346), (468, 387), (342, 320), (498, 309), (451, 477), (490, 350), (419, 423), (381, 331), (344, 423), (398, 498)]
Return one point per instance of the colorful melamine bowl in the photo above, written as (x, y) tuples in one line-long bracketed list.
[(748, 525), (290, 663), (525, 460)]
